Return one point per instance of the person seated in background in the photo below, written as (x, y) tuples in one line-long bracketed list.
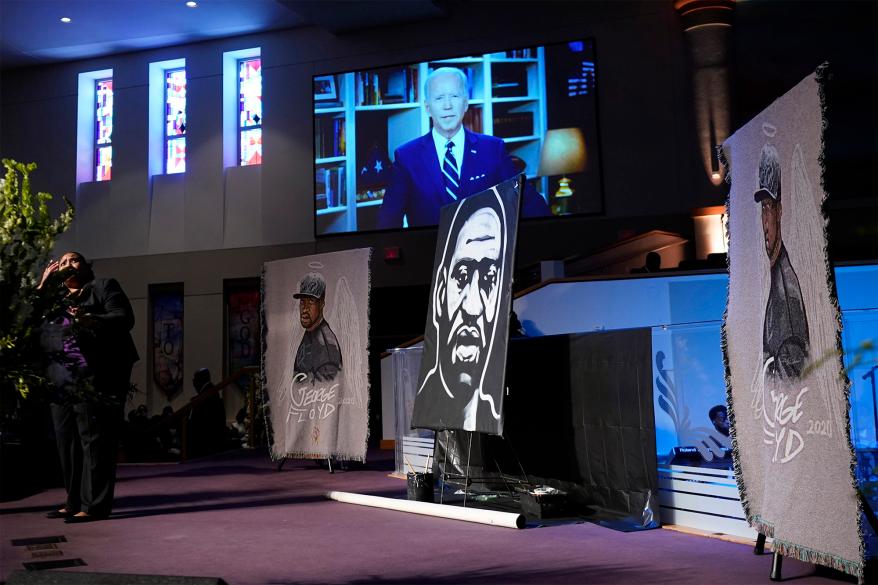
[(168, 432), (653, 264), (719, 416), (516, 329), (240, 427), (206, 431)]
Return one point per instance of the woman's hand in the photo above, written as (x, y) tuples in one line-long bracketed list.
[(48, 272)]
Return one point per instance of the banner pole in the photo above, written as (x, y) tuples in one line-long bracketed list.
[(469, 451), (444, 469)]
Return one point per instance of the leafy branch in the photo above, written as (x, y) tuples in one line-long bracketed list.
[(27, 236)]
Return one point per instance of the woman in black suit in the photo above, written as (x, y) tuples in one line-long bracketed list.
[(88, 342)]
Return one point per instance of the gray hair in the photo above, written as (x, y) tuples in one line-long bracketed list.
[(461, 77)]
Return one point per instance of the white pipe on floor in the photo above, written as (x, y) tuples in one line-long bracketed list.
[(491, 517)]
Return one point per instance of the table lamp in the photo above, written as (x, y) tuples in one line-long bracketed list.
[(563, 153)]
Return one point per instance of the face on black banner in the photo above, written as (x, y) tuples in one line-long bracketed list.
[(461, 383), (467, 306)]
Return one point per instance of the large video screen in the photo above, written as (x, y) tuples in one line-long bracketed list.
[(393, 145)]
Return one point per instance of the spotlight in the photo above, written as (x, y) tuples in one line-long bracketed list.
[(65, 19), (192, 4)]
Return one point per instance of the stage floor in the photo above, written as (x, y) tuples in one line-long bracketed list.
[(236, 517)]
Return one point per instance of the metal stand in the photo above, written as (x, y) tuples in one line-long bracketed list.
[(469, 452), (776, 565), (759, 549), (511, 485), (776, 559), (444, 467)]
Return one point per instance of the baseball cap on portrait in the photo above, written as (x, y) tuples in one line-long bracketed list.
[(311, 285), (769, 174)]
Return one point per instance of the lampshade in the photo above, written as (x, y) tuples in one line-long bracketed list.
[(563, 152), (711, 230)]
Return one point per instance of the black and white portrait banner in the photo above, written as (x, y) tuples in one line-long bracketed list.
[(465, 340), (787, 389), (315, 365)]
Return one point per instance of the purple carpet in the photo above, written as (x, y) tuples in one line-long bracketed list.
[(236, 517)]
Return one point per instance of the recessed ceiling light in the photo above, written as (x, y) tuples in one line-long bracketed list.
[(65, 19), (192, 4)]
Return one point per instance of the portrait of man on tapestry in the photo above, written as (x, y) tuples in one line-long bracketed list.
[(462, 373), (785, 339), (787, 388), (319, 354)]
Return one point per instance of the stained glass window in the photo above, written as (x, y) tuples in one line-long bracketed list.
[(103, 129), (175, 121), (250, 104)]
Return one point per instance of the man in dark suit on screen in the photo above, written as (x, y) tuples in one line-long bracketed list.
[(449, 162)]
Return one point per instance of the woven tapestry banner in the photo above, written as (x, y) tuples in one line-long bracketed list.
[(315, 369), (787, 388)]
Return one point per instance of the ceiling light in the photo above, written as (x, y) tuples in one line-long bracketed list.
[(65, 19), (192, 4)]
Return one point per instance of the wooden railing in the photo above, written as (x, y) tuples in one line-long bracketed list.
[(181, 416)]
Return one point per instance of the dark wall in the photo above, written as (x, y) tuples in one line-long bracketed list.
[(776, 44)]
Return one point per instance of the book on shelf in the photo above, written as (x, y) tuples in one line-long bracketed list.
[(368, 93), (329, 137), (330, 187), (528, 53), (514, 124), (411, 84), (395, 86)]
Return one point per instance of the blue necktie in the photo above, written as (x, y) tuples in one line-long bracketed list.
[(449, 172)]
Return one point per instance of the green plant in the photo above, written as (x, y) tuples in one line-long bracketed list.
[(27, 236)]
